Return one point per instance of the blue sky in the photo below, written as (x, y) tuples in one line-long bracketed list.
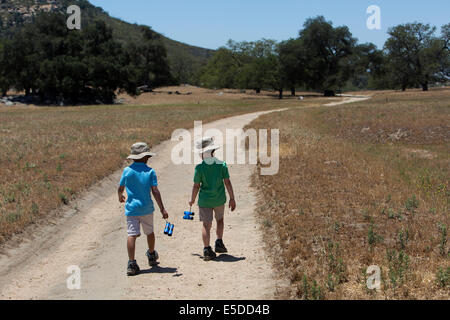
[(210, 23)]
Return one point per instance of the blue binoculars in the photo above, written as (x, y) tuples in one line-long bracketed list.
[(188, 215), (169, 229)]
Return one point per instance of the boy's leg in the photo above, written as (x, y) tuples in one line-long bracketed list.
[(219, 246), (206, 216), (131, 246), (151, 242), (132, 267), (206, 233), (133, 230), (219, 214), (147, 226), (220, 227), (151, 254), (208, 253)]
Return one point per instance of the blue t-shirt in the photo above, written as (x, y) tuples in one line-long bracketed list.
[(138, 180)]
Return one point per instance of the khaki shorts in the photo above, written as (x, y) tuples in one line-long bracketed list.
[(206, 214), (134, 225)]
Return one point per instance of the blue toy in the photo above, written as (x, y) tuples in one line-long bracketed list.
[(166, 229), (171, 230), (188, 215)]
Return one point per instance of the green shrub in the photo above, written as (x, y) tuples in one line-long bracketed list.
[(443, 277), (63, 198), (310, 291), (398, 262), (402, 238), (411, 204), (443, 239), (372, 237), (337, 270)]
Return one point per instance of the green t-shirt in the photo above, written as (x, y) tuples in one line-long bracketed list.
[(212, 188)]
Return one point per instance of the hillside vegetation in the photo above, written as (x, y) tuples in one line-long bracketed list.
[(184, 60)]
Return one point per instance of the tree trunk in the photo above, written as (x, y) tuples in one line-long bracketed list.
[(258, 91), (329, 93), (280, 94), (293, 91), (27, 91), (404, 84), (425, 86)]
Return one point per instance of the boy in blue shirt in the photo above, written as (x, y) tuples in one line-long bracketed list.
[(138, 179)]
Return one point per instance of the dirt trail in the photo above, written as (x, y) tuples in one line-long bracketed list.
[(93, 237), (348, 99)]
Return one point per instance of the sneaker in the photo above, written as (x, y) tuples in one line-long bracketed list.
[(220, 247), (152, 258), (208, 254), (133, 268)]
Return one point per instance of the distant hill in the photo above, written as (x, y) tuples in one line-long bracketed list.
[(185, 60)]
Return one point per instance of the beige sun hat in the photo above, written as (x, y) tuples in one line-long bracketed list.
[(140, 150), (205, 144)]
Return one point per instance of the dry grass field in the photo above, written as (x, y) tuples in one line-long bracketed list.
[(49, 154), (359, 185), (193, 94)]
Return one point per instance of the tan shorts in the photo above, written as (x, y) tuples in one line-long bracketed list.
[(206, 214), (134, 225)]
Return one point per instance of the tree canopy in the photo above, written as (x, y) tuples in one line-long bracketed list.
[(59, 65), (325, 58), (416, 55)]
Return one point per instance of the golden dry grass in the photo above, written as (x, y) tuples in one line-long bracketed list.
[(193, 94), (348, 195), (49, 154)]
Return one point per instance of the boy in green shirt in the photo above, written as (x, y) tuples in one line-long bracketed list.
[(211, 177)]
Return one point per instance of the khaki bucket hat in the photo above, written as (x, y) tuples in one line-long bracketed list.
[(205, 144), (140, 150)]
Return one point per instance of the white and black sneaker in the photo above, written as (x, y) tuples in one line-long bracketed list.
[(152, 258), (133, 268)]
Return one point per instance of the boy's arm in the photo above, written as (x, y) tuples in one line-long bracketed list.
[(120, 193), (195, 190), (229, 187), (157, 195)]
